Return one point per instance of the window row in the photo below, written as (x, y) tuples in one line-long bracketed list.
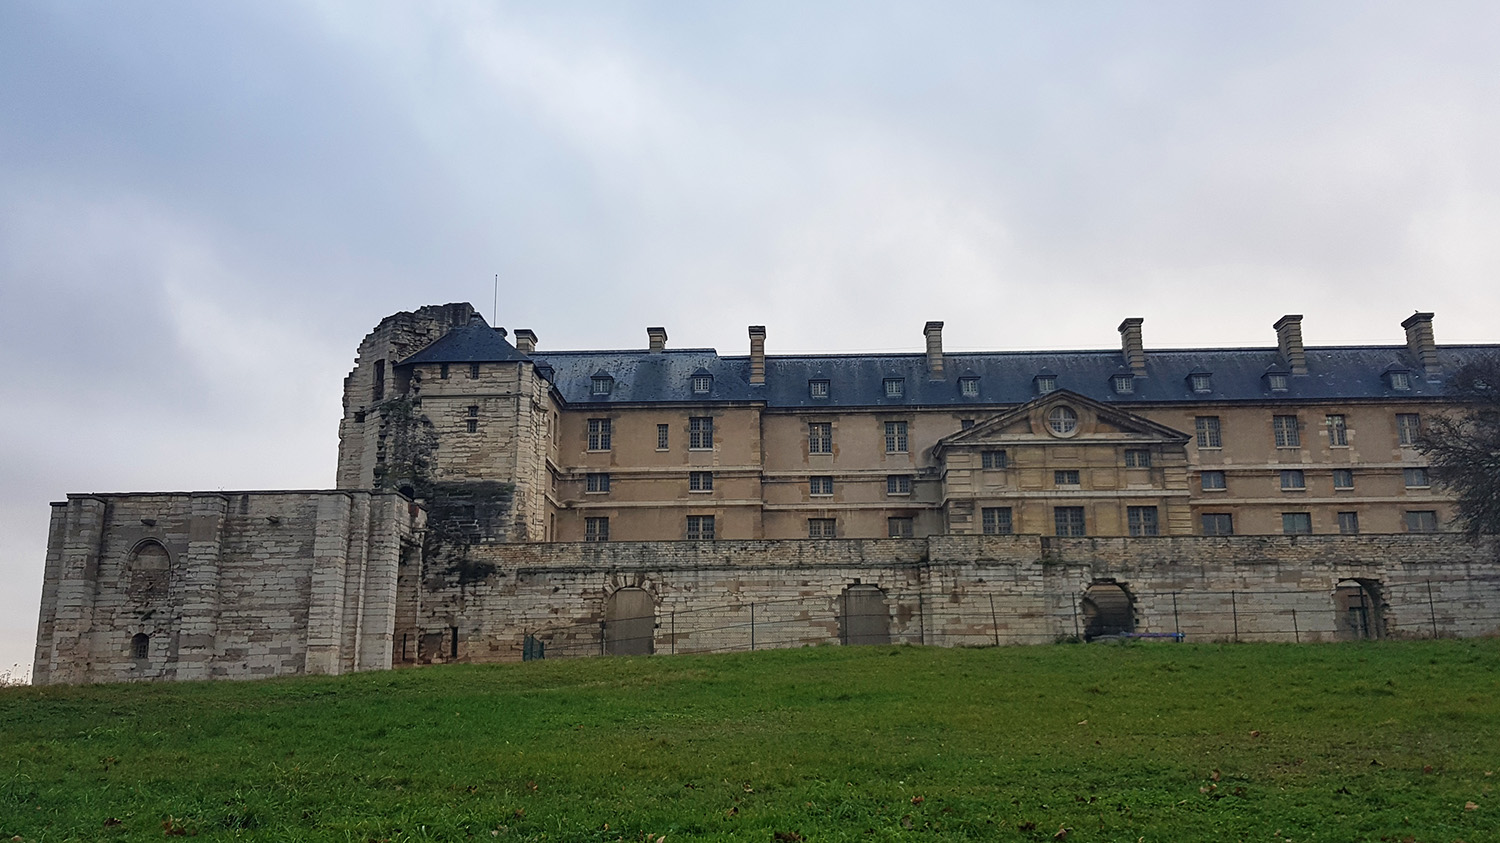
[(1286, 430), (700, 434), (598, 482), (1300, 523), (602, 383), (1295, 479), (696, 528)]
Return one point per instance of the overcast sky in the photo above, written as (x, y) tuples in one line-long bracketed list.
[(205, 206)]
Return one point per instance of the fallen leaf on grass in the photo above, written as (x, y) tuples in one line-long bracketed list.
[(1062, 833), (917, 800), (1215, 776), (1427, 768), (1470, 806), (788, 837), (111, 822), (906, 821), (732, 812), (1254, 733)]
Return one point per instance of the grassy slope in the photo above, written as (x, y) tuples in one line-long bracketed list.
[(1116, 743)]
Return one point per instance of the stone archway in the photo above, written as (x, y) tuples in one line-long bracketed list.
[(1107, 610), (864, 617), (630, 623), (1356, 608)]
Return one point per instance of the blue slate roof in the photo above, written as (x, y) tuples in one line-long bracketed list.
[(475, 342), (1005, 378)]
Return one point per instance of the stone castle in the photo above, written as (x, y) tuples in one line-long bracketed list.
[(495, 499)]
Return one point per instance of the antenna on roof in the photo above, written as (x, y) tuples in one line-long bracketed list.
[(495, 307)]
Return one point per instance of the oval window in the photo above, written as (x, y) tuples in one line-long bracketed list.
[(1063, 421)]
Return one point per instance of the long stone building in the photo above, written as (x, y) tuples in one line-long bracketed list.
[(497, 501)]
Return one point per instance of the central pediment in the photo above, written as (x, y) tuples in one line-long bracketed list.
[(1062, 417)]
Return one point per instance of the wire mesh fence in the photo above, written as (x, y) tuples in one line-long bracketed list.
[(968, 617)]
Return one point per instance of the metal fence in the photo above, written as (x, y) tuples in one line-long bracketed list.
[(965, 617)]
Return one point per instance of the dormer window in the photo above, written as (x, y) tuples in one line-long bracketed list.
[(1201, 382), (968, 387), (1398, 379), (1276, 381), (817, 388), (603, 384), (895, 387), (1045, 384), (703, 383), (1124, 384)]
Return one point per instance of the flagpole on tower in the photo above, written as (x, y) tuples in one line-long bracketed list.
[(495, 306)]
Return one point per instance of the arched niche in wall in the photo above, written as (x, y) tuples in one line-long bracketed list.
[(1356, 608), (864, 617), (148, 571), (629, 623), (1107, 610)]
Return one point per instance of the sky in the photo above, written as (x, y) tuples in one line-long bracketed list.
[(205, 206)]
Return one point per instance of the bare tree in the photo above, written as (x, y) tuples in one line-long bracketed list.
[(1463, 446)]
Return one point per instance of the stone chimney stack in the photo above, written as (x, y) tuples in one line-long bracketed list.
[(1421, 343), (1289, 343), (658, 338), (1132, 345), (934, 332), (525, 340), (757, 354)]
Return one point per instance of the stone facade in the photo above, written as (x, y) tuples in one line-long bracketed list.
[(496, 502), (207, 585)]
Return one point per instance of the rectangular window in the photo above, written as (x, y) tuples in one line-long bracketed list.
[(1214, 481), (1349, 523), (1202, 383), (1400, 380), (817, 389), (473, 418), (700, 481), (1142, 520), (599, 430), (898, 484), (895, 437), (996, 520), (701, 433), (1124, 384), (820, 485), (965, 424), (1287, 434), (1068, 477), (1293, 478), (968, 387), (596, 529), (702, 384), (899, 528), (379, 391), (1137, 458), (662, 434), (820, 437), (1343, 478), (1421, 522), (700, 527), (472, 425), (473, 370), (443, 371), (1068, 520), (1408, 428), (822, 528), (994, 459), (1045, 384), (1338, 432), (895, 387), (1296, 523), (598, 482), (1218, 524), (1208, 432), (1277, 382), (1416, 478)]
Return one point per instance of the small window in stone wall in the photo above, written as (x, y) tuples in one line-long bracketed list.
[(140, 646), (149, 571)]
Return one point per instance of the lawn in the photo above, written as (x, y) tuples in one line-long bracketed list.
[(1155, 741)]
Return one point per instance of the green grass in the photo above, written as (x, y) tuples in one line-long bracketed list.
[(1160, 741)]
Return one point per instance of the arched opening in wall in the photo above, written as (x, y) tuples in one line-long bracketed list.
[(140, 646), (408, 491), (629, 623), (1107, 610), (865, 619), (148, 571), (1356, 607)]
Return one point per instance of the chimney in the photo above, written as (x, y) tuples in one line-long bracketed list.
[(934, 332), (1289, 343), (525, 340), (658, 337), (1132, 345), (757, 354), (1421, 344)]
